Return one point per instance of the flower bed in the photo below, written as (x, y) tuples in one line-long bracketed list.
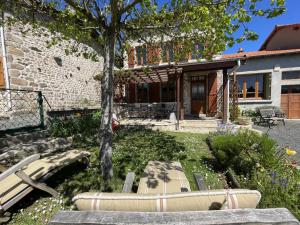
[(259, 164)]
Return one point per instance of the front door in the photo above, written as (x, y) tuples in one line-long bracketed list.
[(198, 95)]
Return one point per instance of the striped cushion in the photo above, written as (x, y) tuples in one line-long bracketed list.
[(188, 201), (163, 177)]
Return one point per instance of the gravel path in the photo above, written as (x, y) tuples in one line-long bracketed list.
[(286, 136)]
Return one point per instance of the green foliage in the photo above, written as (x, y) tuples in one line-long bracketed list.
[(134, 148), (131, 148), (238, 112), (78, 124), (250, 113), (258, 163), (197, 22)]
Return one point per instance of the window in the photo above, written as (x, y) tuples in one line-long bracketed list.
[(294, 89), (196, 53), (141, 53), (168, 52), (198, 87), (253, 86), (168, 91), (142, 93), (290, 75)]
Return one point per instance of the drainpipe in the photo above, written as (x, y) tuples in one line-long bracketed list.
[(4, 57)]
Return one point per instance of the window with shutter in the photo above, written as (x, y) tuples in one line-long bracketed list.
[(141, 53)]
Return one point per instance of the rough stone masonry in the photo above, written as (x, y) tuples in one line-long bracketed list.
[(67, 81)]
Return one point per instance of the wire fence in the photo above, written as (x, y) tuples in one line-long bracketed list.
[(20, 109)]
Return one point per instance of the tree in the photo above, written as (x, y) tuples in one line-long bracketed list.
[(110, 24)]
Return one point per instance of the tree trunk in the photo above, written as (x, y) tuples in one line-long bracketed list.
[(106, 133)]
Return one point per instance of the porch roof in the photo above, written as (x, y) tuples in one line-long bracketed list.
[(162, 73)]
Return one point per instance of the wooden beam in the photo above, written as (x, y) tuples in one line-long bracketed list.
[(225, 97), (158, 75), (178, 97)]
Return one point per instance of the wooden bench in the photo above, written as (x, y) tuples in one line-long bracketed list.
[(278, 216)]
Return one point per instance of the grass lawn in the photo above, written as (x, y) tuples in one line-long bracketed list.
[(132, 150)]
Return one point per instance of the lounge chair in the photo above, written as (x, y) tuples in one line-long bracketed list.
[(270, 116), (19, 180), (165, 188)]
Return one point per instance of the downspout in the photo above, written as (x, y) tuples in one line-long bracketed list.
[(4, 56)]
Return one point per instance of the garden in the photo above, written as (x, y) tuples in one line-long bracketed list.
[(225, 159)]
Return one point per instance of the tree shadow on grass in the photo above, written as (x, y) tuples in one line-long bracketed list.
[(133, 148)]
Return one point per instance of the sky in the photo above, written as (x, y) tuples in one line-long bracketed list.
[(263, 27)]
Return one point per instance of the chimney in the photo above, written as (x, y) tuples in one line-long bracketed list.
[(240, 50)]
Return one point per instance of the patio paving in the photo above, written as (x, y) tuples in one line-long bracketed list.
[(286, 136)]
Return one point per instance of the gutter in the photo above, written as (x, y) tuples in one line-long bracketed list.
[(236, 67)]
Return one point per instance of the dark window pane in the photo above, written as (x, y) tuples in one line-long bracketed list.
[(295, 89), (196, 53), (168, 92), (290, 75), (141, 53), (198, 91), (142, 93), (284, 89)]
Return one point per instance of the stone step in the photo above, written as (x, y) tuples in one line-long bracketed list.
[(9, 140), (199, 124)]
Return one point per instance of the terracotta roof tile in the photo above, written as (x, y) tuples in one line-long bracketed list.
[(260, 53)]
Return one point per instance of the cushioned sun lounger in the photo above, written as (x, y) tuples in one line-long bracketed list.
[(20, 179), (175, 202), (162, 178), (165, 188)]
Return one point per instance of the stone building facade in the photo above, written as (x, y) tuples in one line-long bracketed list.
[(66, 81)]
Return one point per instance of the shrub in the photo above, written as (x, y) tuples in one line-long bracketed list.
[(259, 164), (85, 125), (249, 113)]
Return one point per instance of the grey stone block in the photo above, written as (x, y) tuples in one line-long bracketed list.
[(278, 216)]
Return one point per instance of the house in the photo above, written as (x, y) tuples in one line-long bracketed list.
[(36, 77), (199, 88), (271, 75), (28, 63)]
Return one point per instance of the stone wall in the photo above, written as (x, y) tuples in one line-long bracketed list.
[(67, 81)]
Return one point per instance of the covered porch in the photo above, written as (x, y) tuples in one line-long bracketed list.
[(186, 90)]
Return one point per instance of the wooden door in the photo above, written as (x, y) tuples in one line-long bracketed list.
[(198, 95), (290, 101)]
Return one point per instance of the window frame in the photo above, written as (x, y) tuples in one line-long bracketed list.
[(291, 72), (257, 93)]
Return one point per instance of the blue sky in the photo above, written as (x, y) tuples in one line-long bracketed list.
[(263, 27)]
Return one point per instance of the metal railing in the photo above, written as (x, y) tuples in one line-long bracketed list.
[(20, 110)]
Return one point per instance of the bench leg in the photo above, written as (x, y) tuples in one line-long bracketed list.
[(35, 184)]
